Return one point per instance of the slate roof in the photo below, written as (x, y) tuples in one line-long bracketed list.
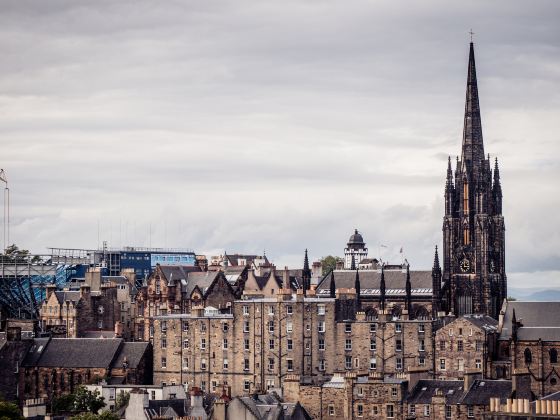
[(65, 295), (175, 273), (269, 407), (425, 389), (73, 353), (482, 390), (395, 282), (234, 258), (483, 322), (539, 319), (201, 279), (172, 408), (133, 351)]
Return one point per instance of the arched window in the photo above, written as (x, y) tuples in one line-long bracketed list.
[(528, 356), (422, 314), (371, 314), (396, 312), (553, 355)]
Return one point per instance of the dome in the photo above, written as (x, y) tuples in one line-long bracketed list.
[(356, 239)]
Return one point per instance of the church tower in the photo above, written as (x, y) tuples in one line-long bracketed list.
[(474, 277)]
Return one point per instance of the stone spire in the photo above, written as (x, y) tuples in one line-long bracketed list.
[(473, 148), (306, 273), (436, 284), (332, 285), (353, 263), (382, 289), (497, 189)]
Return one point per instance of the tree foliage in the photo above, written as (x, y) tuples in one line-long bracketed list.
[(9, 411), (12, 253), (122, 400), (86, 400), (328, 263), (106, 415)]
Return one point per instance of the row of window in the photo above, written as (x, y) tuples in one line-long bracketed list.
[(460, 364), (443, 345)]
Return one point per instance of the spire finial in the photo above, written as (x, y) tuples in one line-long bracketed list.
[(471, 33)]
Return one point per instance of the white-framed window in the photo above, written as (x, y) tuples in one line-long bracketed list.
[(412, 410), (320, 309), (225, 344), (348, 362), (398, 327), (360, 391), (470, 411), (373, 344), (270, 363), (226, 364), (186, 343), (398, 345), (246, 364), (203, 344), (290, 344), (399, 364), (163, 362), (348, 344), (163, 342), (225, 327), (421, 345), (246, 385), (202, 327), (442, 364), (246, 344), (245, 310), (271, 310), (360, 410), (321, 326), (290, 364), (422, 361), (421, 328), (478, 363), (271, 344), (427, 410), (447, 411), (202, 364), (271, 326), (348, 328), (331, 410), (372, 328), (394, 392), (390, 411), (373, 363), (185, 326), (289, 326), (321, 344), (321, 364), (245, 326)]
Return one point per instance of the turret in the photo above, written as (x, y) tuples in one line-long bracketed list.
[(306, 274), (449, 190)]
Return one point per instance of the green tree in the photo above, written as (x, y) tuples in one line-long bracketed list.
[(122, 400), (63, 404), (106, 415), (86, 400), (328, 263), (14, 254), (9, 411)]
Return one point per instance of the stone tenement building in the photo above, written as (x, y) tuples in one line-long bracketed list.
[(474, 276)]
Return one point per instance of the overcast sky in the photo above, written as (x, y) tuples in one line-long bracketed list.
[(275, 125)]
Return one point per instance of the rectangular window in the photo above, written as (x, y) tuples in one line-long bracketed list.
[(426, 411), (373, 344), (460, 331), (320, 309), (399, 363), (202, 327), (421, 328), (246, 385), (321, 344), (461, 363), (470, 412), (331, 410), (348, 328), (447, 411), (271, 310), (185, 326), (246, 364), (290, 364), (202, 364), (348, 344), (360, 410), (478, 363), (226, 364), (290, 344), (398, 327), (186, 343), (271, 326), (289, 326), (422, 361), (289, 310), (478, 345), (321, 326), (356, 363), (225, 344), (163, 326), (442, 345), (322, 364), (390, 411), (412, 410), (373, 363), (225, 327), (245, 326), (460, 345), (442, 364), (348, 362), (270, 363), (246, 344), (271, 344), (245, 310), (398, 345), (163, 342), (203, 344), (372, 328), (421, 345), (163, 362)]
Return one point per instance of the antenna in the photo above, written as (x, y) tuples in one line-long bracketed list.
[(4, 179)]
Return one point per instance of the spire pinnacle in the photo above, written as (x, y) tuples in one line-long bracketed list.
[(306, 261), (353, 263), (436, 260), (496, 173), (382, 288), (473, 147), (332, 285), (357, 284)]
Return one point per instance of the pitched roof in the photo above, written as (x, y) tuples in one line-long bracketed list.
[(67, 295), (74, 353), (133, 352), (175, 273), (538, 319), (172, 408), (201, 279), (395, 282), (484, 322), (482, 390), (425, 389)]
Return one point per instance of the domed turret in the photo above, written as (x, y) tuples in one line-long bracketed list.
[(355, 250)]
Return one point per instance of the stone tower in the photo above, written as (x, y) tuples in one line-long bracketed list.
[(474, 277)]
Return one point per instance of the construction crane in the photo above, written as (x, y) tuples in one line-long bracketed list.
[(4, 179)]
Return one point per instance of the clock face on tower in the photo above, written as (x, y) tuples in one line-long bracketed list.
[(465, 265)]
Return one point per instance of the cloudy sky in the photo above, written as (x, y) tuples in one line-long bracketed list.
[(275, 125)]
